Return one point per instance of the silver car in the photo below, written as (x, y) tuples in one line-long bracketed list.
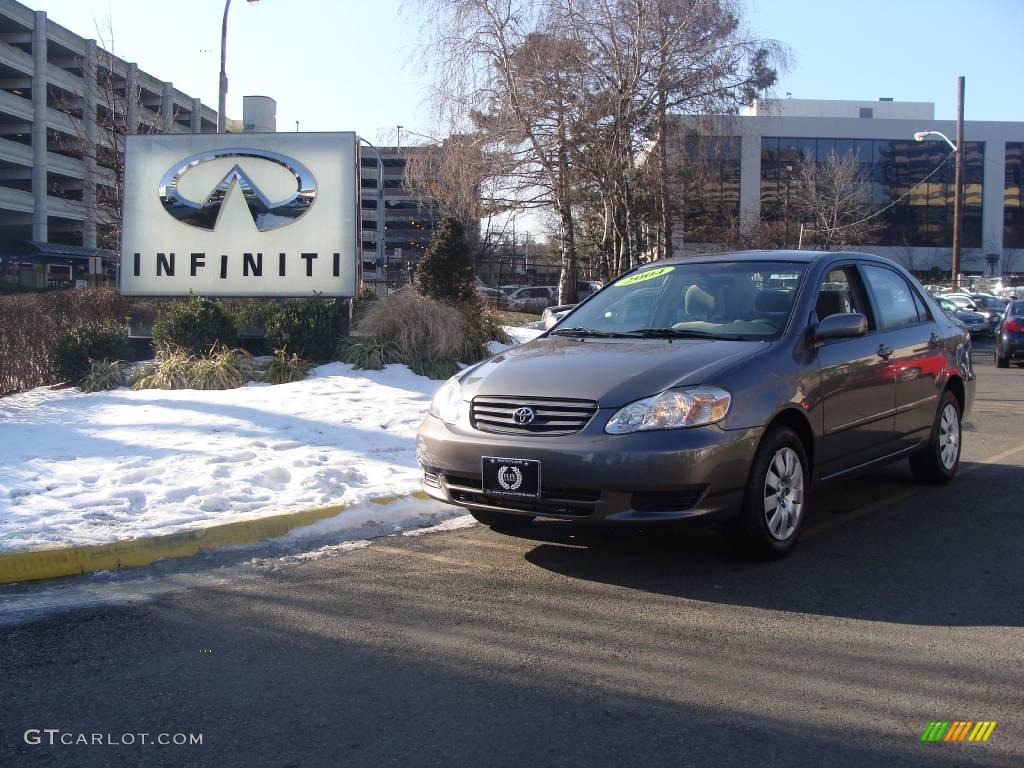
[(720, 386)]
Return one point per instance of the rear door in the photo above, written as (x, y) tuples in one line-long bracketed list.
[(858, 387), (917, 360)]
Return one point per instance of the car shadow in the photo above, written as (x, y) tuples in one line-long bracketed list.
[(930, 556)]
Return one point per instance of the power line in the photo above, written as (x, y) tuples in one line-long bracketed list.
[(895, 202)]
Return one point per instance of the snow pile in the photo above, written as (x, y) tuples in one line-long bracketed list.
[(92, 469)]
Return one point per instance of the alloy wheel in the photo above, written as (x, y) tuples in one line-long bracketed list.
[(783, 493), (949, 436)]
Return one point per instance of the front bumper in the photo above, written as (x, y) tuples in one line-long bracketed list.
[(642, 477)]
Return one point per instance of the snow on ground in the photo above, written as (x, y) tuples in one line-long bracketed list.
[(95, 468), (519, 335)]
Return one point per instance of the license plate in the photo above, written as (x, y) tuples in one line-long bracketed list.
[(511, 478)]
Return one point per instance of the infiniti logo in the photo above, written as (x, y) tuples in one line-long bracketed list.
[(523, 415), (266, 214)]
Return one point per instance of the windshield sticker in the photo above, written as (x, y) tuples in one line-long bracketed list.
[(649, 274)]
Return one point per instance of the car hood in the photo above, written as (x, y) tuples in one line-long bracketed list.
[(613, 372)]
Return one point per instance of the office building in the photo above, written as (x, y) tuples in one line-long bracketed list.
[(749, 161)]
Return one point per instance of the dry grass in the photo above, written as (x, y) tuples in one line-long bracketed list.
[(418, 326)]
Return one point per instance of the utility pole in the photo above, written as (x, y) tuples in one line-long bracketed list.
[(958, 195)]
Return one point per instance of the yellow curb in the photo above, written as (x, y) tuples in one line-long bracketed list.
[(34, 565)]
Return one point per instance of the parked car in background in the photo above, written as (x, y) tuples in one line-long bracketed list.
[(532, 298), (552, 315), (1010, 336), (973, 322), (694, 388)]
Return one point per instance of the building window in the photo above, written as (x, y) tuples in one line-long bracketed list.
[(1013, 197), (923, 218), (710, 178), (867, 112)]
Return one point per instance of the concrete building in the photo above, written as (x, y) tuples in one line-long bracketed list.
[(64, 102), (753, 157), (409, 220)]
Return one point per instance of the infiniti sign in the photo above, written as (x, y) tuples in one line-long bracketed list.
[(249, 214), (266, 214)]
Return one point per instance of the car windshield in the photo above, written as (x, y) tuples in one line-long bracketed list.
[(724, 299)]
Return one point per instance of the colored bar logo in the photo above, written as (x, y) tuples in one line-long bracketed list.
[(958, 730)]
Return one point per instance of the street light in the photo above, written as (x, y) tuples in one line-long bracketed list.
[(223, 97), (922, 135), (381, 252)]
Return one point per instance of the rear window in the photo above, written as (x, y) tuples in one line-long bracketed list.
[(1016, 308)]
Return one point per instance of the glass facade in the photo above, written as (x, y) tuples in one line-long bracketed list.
[(710, 178), (1013, 196), (923, 218)]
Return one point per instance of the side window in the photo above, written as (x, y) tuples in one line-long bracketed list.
[(893, 298), (922, 309), (836, 294)]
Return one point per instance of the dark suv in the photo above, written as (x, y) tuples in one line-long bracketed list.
[(1010, 335), (722, 385)]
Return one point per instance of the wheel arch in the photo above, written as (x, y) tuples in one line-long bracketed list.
[(797, 421)]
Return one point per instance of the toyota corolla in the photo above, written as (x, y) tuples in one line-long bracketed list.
[(724, 386)]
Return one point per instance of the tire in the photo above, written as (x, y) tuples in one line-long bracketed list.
[(500, 521), (938, 462), (773, 513), (1001, 362)]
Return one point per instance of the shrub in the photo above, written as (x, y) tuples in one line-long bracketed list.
[(490, 326), (252, 317), (368, 353), (31, 322), (310, 328), (196, 325), (433, 367), (72, 352), (446, 271), (284, 368), (417, 325), (222, 369), (104, 375), (172, 370)]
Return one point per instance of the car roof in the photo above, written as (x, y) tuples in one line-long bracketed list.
[(805, 257)]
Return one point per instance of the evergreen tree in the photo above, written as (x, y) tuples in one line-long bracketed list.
[(446, 271)]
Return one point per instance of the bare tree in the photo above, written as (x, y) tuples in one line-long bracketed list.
[(832, 200)]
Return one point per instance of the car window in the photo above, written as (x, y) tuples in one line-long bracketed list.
[(891, 296), (1016, 308), (741, 299), (836, 294)]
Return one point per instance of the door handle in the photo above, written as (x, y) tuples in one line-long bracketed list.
[(884, 352)]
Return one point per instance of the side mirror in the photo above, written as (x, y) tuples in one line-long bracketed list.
[(846, 325)]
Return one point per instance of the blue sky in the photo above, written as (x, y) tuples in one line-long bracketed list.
[(350, 65)]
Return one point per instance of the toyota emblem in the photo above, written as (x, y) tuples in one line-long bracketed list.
[(523, 415)]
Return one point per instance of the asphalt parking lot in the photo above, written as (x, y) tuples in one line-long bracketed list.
[(559, 646)]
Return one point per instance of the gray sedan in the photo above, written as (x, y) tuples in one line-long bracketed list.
[(721, 386)]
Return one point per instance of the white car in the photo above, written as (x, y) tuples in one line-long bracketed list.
[(532, 298)]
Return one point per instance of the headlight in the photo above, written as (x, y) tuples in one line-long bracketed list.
[(447, 403), (677, 408)]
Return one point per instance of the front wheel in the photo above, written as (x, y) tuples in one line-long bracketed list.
[(938, 462), (500, 521), (775, 500)]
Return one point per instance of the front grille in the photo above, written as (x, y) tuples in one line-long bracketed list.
[(551, 417)]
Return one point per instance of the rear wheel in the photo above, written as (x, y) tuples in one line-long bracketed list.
[(1001, 361), (775, 500), (500, 521), (938, 462)]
